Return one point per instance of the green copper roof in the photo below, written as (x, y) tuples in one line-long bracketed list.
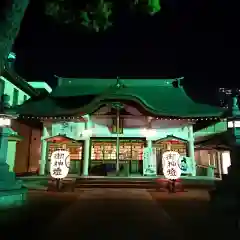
[(167, 101), (160, 100)]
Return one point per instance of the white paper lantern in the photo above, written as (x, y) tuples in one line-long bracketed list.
[(171, 165), (60, 163)]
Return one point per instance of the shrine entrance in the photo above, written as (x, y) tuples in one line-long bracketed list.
[(103, 156)]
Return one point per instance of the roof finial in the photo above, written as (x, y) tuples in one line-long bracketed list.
[(119, 83), (56, 76)]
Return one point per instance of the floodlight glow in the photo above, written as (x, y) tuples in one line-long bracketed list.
[(232, 124), (87, 133), (226, 161), (12, 55), (148, 132)]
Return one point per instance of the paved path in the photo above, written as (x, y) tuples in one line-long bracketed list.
[(115, 193), (113, 214), (96, 214)]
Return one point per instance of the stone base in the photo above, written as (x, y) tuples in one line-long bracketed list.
[(11, 198), (8, 179)]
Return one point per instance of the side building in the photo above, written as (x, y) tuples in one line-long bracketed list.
[(212, 149), (24, 137)]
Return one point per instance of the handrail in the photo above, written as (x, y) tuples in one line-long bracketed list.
[(205, 166)]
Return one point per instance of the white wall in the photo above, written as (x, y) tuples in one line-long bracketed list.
[(226, 161)]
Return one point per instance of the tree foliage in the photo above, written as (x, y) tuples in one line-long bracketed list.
[(93, 14), (11, 15), (149, 6), (96, 14)]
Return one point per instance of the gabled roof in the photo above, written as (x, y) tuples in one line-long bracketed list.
[(161, 100), (60, 139), (170, 137)]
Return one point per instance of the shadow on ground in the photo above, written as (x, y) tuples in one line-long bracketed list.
[(31, 220), (65, 216), (191, 212)]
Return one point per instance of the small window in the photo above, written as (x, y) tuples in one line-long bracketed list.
[(15, 97), (2, 87)]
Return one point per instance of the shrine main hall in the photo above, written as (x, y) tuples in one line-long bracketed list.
[(107, 123)]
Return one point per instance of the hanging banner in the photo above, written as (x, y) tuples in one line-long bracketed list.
[(186, 165), (60, 163), (171, 165), (149, 162), (146, 156)]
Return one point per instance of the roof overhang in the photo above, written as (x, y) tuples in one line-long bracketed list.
[(61, 138), (213, 147), (170, 138), (159, 101), (215, 141)]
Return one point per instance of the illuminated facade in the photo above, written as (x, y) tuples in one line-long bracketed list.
[(108, 123)]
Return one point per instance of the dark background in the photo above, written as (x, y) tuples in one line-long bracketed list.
[(196, 39)]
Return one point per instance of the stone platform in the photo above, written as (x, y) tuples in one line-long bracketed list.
[(13, 197)]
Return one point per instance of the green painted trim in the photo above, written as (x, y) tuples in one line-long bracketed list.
[(41, 85), (16, 138), (113, 139), (63, 136)]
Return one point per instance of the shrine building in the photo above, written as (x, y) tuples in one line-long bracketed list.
[(19, 141), (107, 123)]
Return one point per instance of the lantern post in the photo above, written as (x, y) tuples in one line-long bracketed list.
[(12, 191)]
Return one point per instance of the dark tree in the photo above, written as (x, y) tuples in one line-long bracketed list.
[(11, 15)]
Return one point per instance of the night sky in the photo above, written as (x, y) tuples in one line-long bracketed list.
[(192, 38)]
